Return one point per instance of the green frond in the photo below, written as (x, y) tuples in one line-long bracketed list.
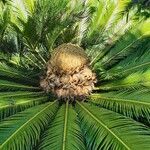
[(33, 60), (137, 61), (124, 46), (142, 8), (106, 129), (132, 64), (22, 130), (29, 5), (20, 94), (64, 132), (33, 20), (101, 16), (10, 106), (9, 85), (14, 73), (113, 28), (121, 49), (132, 104), (4, 19), (3, 57), (133, 81)]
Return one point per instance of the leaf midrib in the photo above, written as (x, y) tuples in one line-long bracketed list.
[(105, 126), (32, 118), (65, 126)]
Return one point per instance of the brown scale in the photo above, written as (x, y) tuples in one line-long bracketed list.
[(68, 73)]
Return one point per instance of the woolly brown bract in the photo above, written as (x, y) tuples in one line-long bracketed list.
[(94, 56)]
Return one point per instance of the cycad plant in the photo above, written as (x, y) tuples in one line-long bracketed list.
[(74, 75)]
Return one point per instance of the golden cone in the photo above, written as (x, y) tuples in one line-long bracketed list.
[(68, 74), (67, 58)]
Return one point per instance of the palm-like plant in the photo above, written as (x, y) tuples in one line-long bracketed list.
[(115, 116)]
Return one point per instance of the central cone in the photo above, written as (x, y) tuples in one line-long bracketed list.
[(67, 58), (68, 74)]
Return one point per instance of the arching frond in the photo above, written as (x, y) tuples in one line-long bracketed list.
[(131, 104), (125, 46), (22, 130), (133, 81), (64, 132), (9, 85), (106, 129), (128, 67), (113, 28), (14, 73), (12, 105), (20, 94)]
